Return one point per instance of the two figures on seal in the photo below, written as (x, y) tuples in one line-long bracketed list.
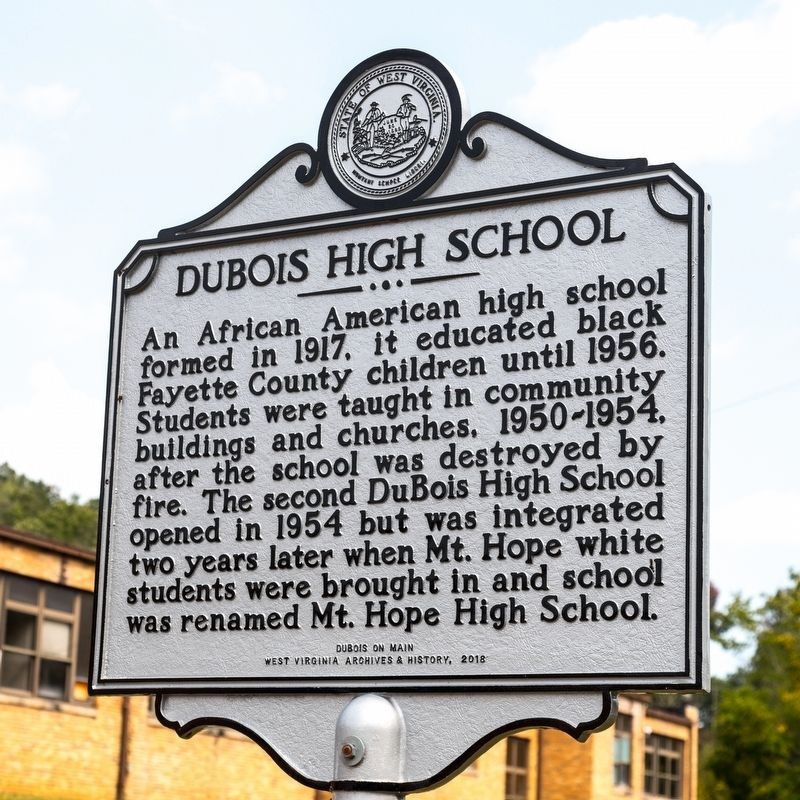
[(387, 133)]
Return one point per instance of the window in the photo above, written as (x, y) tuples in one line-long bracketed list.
[(45, 635), (622, 750), (516, 768), (663, 759)]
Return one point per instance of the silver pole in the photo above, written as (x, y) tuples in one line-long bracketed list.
[(370, 750)]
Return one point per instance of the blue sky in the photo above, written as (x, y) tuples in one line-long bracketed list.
[(118, 119)]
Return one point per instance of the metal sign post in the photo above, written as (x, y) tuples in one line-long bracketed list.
[(374, 722), (406, 437)]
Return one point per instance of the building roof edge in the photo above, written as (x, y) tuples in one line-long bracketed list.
[(44, 543)]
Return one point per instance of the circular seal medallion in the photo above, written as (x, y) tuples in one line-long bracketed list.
[(390, 128)]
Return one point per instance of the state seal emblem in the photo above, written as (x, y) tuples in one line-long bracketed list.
[(390, 128)]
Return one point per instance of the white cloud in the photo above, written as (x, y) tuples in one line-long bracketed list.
[(728, 349), (27, 220), (232, 87), (668, 88), (53, 100), (76, 320), (750, 539), (53, 433), (22, 174), (242, 87), (11, 262), (181, 13), (21, 169)]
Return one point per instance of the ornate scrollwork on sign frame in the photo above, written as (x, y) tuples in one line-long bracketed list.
[(307, 174)]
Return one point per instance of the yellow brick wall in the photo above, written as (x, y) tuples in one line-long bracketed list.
[(60, 752), (48, 749), (692, 760), (487, 778), (584, 771), (568, 772), (46, 566), (57, 754), (214, 767)]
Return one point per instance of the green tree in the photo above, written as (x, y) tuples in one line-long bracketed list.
[(34, 506), (754, 752), (728, 623)]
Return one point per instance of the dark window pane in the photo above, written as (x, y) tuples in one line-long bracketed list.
[(59, 599), (517, 752), (84, 639), (20, 630), (53, 680), (511, 752), (16, 671), (516, 768), (22, 590), (516, 787), (663, 766), (622, 750), (622, 774)]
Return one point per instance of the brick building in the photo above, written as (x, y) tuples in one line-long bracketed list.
[(57, 743)]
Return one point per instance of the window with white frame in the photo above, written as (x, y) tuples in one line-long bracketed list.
[(45, 632)]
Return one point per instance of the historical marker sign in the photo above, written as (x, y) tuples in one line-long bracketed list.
[(381, 440)]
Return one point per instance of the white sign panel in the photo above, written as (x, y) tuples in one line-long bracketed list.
[(441, 442)]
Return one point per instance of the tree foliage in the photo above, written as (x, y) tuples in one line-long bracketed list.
[(728, 623), (754, 753), (33, 506)]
